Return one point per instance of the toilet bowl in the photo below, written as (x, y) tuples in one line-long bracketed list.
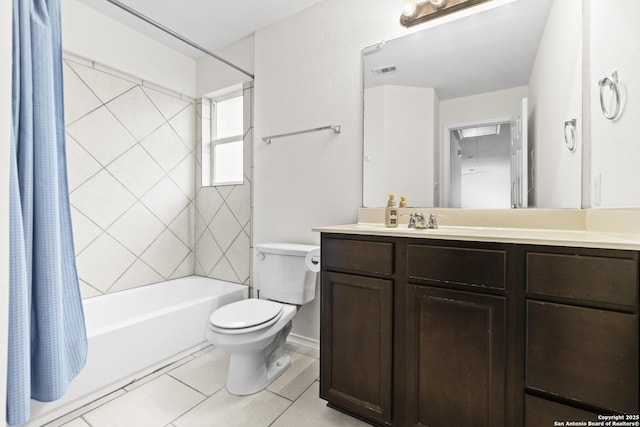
[(254, 331), (256, 347)]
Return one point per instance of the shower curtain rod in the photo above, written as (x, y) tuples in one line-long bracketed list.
[(176, 35)]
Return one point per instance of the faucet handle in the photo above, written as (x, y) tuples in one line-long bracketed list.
[(433, 221), (412, 220)]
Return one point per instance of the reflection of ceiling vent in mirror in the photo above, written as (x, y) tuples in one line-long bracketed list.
[(384, 70), (478, 131)]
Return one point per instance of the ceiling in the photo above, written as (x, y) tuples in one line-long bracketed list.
[(212, 24)]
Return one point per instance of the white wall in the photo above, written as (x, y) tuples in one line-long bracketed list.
[(615, 144), (5, 131), (213, 75), (490, 105), (555, 96), (308, 74), (90, 34), (403, 133), (488, 187)]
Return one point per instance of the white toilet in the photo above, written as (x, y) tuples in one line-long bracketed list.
[(254, 331)]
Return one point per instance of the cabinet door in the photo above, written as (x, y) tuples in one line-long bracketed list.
[(584, 354), (356, 344), (455, 358)]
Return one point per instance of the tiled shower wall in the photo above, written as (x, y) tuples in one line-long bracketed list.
[(131, 149), (223, 213)]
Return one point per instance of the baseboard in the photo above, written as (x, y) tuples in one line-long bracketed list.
[(304, 345)]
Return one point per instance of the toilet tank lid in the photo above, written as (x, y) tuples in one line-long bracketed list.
[(294, 249)]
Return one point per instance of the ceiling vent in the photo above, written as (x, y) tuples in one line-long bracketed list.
[(384, 70)]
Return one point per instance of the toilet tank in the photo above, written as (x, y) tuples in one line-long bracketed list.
[(285, 271)]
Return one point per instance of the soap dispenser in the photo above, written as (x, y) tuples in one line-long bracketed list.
[(391, 212), (403, 201)]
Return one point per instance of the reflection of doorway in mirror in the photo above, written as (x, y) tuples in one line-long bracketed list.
[(480, 165)]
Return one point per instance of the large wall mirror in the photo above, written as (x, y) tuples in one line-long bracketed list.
[(472, 112)]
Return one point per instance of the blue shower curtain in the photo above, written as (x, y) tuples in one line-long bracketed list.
[(47, 336)]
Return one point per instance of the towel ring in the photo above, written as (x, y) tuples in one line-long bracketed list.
[(570, 136), (612, 84)]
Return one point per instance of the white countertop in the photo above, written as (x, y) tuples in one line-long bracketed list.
[(535, 236)]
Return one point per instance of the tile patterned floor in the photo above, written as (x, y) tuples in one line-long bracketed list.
[(191, 393)]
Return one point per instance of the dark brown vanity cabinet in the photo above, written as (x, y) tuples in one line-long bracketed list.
[(356, 351), (418, 332), (581, 333), (455, 334), (413, 334), (455, 358)]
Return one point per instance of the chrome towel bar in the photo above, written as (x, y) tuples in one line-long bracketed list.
[(335, 128)]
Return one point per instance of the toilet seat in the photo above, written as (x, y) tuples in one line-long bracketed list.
[(245, 316)]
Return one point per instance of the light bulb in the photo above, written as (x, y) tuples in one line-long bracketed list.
[(409, 8), (438, 3)]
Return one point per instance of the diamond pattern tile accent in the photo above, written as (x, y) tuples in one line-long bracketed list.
[(208, 202), (102, 199), (186, 268), (84, 230), (208, 253), (165, 253), (123, 198), (183, 226), (80, 162), (166, 147), (225, 226), (101, 135), (139, 213), (223, 214), (224, 271), (136, 170), (104, 85), (87, 291), (136, 112), (79, 99), (168, 105), (239, 256), (103, 262), (184, 124), (165, 200), (200, 225), (239, 201), (183, 175), (138, 273), (137, 229)]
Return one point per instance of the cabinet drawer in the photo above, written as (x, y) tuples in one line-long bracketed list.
[(542, 412), (597, 279), (584, 354), (358, 255), (479, 267)]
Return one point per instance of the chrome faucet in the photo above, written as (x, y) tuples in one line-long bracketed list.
[(412, 220), (433, 222), (416, 220)]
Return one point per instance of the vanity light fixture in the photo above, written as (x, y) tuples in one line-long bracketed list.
[(416, 12)]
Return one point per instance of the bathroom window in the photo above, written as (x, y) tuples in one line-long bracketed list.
[(226, 146)]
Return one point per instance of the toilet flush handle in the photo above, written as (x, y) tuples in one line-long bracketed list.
[(260, 256)]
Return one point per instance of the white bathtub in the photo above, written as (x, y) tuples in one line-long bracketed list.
[(137, 331)]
